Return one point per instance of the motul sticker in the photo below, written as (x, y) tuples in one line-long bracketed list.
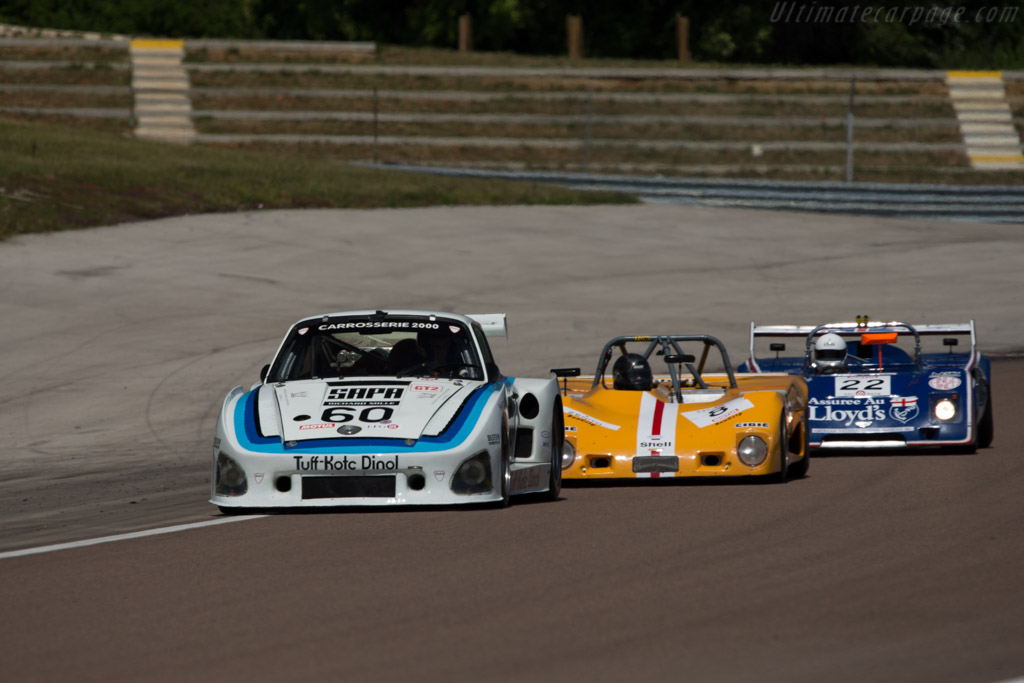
[(709, 416), (944, 383)]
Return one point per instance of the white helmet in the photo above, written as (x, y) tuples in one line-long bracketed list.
[(830, 352)]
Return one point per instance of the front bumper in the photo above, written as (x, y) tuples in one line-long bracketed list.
[(326, 480), (701, 464)]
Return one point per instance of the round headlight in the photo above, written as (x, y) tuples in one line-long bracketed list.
[(752, 451), (230, 477), (473, 472), (568, 454), (945, 409)]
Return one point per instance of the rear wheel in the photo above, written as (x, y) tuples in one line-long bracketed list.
[(557, 439)]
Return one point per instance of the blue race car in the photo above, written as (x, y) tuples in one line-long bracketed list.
[(871, 386)]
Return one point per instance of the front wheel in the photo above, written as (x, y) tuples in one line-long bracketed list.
[(557, 441), (783, 473), (986, 429), (505, 475)]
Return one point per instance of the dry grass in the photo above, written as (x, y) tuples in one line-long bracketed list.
[(98, 54), (572, 104), (576, 131), (314, 78), (72, 75)]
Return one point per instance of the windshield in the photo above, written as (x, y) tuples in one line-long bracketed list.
[(374, 346)]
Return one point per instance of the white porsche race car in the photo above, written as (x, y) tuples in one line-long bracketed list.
[(387, 408)]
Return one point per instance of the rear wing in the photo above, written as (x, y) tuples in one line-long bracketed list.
[(809, 331), (493, 324)]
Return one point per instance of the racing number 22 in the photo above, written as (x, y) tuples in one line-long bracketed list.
[(854, 384), (344, 414)]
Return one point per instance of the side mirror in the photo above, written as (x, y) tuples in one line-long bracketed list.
[(680, 358), (264, 372), (565, 373)]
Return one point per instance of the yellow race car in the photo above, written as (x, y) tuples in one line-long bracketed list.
[(626, 422)]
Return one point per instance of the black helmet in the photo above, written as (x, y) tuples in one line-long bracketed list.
[(633, 372)]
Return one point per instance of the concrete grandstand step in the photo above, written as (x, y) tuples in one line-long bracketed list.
[(986, 121), (159, 85), (163, 120), (168, 133)]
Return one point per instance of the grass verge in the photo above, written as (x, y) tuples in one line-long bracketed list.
[(57, 178)]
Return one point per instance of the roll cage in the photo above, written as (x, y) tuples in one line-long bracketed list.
[(669, 347), (867, 328)]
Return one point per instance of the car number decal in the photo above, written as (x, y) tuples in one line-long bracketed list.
[(863, 385), (709, 416)]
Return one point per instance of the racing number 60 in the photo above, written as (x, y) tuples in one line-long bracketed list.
[(344, 414)]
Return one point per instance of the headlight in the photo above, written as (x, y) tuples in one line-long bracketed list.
[(230, 477), (473, 475), (752, 451), (945, 409), (473, 472), (568, 454)]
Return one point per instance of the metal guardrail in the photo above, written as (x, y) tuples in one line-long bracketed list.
[(974, 203)]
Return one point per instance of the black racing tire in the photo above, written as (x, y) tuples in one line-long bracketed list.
[(782, 475), (557, 440), (231, 512), (986, 428), (505, 474), (799, 470)]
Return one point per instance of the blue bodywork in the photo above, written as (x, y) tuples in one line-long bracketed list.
[(887, 397)]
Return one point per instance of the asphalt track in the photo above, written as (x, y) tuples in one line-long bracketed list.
[(121, 342)]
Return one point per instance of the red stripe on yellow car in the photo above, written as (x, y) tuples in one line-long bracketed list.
[(655, 432)]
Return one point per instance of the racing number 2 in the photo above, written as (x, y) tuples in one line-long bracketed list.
[(344, 414)]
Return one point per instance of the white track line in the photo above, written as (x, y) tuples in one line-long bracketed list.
[(124, 537)]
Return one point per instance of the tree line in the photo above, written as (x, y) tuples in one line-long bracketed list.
[(977, 34)]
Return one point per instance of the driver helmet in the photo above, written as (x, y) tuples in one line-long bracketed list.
[(632, 372), (830, 352)]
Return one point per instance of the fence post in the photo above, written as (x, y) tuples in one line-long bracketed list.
[(574, 35), (465, 33), (683, 37), (586, 131), (849, 132)]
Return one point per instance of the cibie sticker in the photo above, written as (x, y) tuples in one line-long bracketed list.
[(709, 416), (944, 382)]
